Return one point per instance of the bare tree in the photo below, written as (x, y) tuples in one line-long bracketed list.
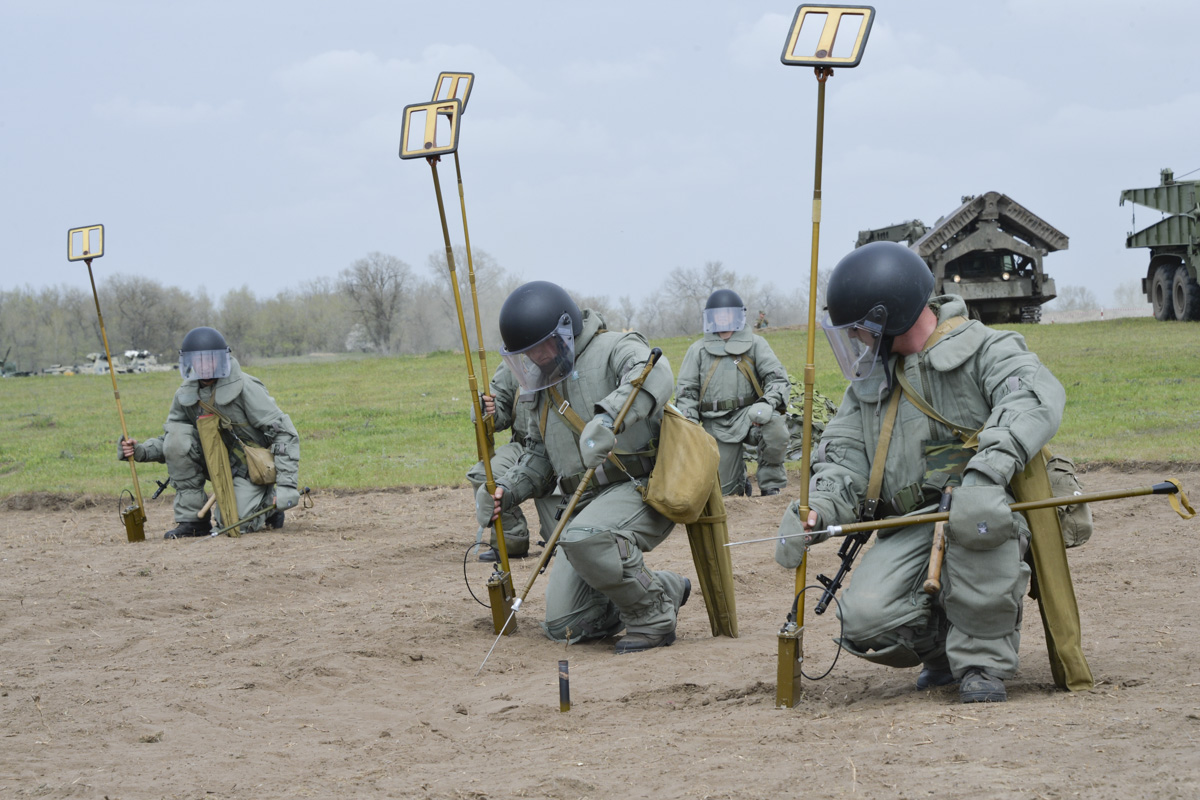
[(376, 286), (627, 313), (238, 322), (1128, 295), (1075, 298)]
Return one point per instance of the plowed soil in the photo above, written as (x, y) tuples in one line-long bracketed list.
[(338, 657)]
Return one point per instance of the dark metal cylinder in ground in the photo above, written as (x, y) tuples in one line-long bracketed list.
[(564, 687)]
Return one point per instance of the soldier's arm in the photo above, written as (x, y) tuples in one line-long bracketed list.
[(265, 415), (532, 475), (773, 378), (1027, 408), (628, 359), (687, 388), (504, 389)]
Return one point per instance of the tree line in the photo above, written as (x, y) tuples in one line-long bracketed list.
[(379, 304)]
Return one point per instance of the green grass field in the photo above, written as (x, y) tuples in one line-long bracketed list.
[(1132, 395)]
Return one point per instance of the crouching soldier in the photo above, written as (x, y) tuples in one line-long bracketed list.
[(243, 416), (510, 409), (732, 383), (580, 374)]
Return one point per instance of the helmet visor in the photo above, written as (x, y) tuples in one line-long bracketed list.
[(545, 362), (856, 345), (203, 365), (719, 320)]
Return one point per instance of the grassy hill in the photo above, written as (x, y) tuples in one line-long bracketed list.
[(1132, 396)]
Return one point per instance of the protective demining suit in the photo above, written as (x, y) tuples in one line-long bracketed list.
[(603, 584), (714, 390), (244, 401), (978, 378), (512, 411)]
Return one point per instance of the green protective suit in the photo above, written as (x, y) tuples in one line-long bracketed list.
[(722, 404), (244, 401), (512, 411), (978, 378), (603, 584)]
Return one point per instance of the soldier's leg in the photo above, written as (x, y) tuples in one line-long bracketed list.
[(547, 507), (731, 470), (185, 465), (251, 498), (982, 593), (772, 443), (516, 529), (887, 617), (574, 610), (604, 544)]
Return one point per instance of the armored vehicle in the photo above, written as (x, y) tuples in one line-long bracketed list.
[(989, 251), (1174, 241)]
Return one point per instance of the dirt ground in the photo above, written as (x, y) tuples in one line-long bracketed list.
[(338, 657)]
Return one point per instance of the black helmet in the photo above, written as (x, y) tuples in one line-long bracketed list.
[(533, 311), (203, 339), (539, 323), (204, 355), (886, 274), (724, 298), (723, 313)]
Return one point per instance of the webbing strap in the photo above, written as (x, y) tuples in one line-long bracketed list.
[(574, 422), (970, 438), (875, 482), (744, 363)]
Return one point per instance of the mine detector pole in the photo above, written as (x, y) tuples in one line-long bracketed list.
[(444, 115), (91, 243), (801, 49)]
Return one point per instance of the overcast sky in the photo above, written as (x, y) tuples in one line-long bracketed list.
[(230, 144)]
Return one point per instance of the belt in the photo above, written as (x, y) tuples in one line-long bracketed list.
[(729, 405), (607, 474)]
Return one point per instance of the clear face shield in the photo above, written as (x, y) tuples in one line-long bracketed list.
[(857, 345), (203, 365), (548, 361), (719, 320)]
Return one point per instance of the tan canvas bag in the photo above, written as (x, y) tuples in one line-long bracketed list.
[(685, 470)]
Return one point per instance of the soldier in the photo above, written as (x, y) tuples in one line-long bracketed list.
[(580, 374), (510, 407), (213, 383), (732, 383), (762, 322), (884, 327)]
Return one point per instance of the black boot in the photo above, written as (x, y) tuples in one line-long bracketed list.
[(979, 687), (189, 528), (275, 519)]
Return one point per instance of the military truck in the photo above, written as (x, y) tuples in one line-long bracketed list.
[(989, 251), (1174, 241)]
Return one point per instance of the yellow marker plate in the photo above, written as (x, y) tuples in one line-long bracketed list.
[(430, 129), (813, 40), (454, 84), (85, 243)]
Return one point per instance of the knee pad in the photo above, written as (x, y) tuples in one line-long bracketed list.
[(595, 555), (775, 438), (181, 443)]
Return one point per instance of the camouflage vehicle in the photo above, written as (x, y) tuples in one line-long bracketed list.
[(1174, 241), (988, 251)]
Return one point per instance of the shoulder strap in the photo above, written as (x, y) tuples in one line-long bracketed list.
[(970, 438), (746, 365), (711, 370), (573, 420), (875, 482)]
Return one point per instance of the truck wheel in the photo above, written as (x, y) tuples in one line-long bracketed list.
[(1185, 295), (1160, 293)]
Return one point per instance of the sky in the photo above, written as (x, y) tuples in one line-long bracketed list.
[(255, 144)]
